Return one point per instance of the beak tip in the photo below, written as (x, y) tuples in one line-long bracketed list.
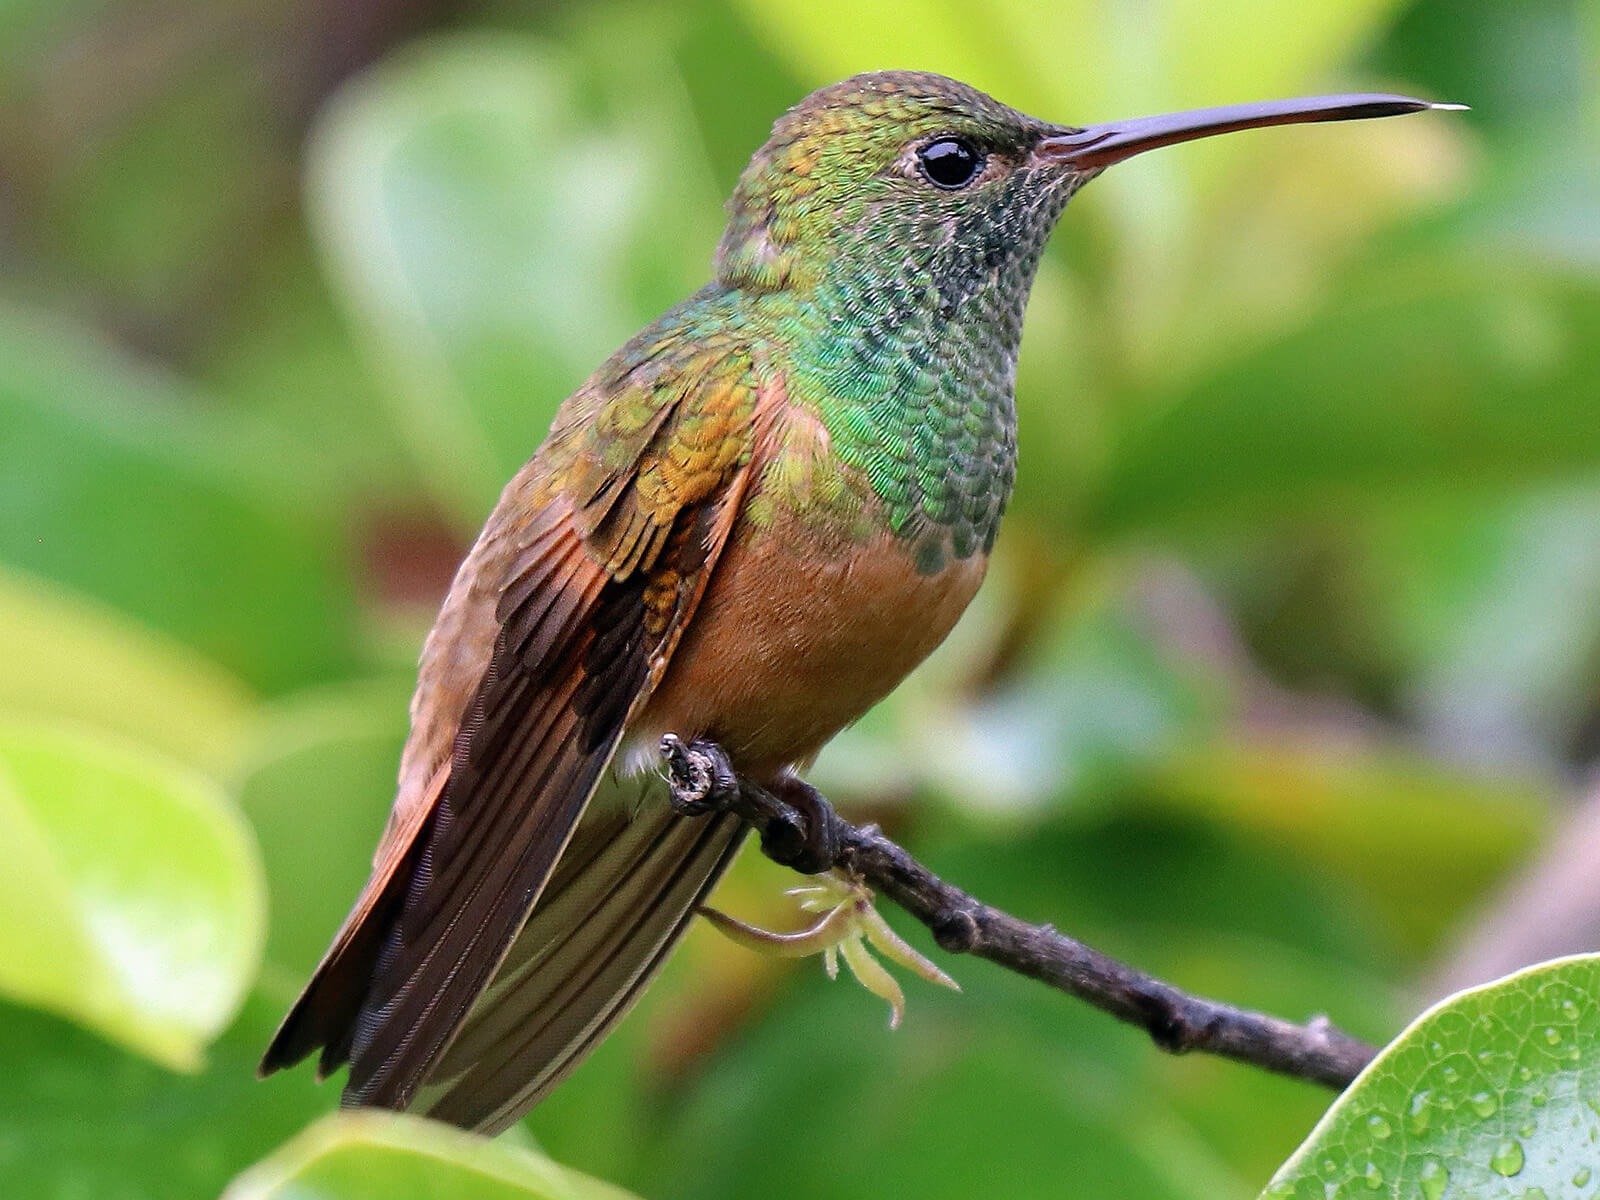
[(1440, 106)]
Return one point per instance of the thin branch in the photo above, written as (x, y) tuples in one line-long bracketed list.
[(799, 829)]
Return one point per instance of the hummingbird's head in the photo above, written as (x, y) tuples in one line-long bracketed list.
[(878, 165), (912, 170)]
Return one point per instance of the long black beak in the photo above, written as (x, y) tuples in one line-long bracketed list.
[(1098, 146)]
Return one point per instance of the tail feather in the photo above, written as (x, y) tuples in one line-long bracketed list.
[(626, 890)]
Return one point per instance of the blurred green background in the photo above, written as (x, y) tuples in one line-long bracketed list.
[(1287, 671)]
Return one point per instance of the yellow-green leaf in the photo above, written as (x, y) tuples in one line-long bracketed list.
[(381, 1156), (66, 656), (132, 900), (1078, 60)]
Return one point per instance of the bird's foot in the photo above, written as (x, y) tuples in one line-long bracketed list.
[(809, 845), (846, 925), (798, 826)]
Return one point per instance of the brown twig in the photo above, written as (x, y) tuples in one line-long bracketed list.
[(799, 829)]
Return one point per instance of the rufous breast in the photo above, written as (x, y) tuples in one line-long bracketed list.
[(805, 623)]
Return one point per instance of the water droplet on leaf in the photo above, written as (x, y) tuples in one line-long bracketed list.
[(1432, 1179), (1420, 1113), (1507, 1158)]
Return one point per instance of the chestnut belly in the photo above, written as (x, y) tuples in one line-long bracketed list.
[(797, 636)]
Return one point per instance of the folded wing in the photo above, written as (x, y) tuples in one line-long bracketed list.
[(559, 626)]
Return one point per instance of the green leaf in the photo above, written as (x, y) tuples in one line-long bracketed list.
[(494, 242), (80, 1117), (291, 360), (1421, 840), (1456, 586), (317, 789), (124, 484), (378, 1156), (1493, 1092), (1437, 376), (950, 1104), (1096, 701), (132, 899), (70, 658), (26, 27)]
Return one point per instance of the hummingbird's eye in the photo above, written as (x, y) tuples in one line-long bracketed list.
[(949, 163)]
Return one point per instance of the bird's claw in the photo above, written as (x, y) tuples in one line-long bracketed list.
[(846, 926), (808, 842)]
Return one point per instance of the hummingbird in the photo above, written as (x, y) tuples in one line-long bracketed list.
[(748, 525)]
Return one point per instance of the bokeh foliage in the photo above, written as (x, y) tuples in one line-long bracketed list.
[(1289, 655)]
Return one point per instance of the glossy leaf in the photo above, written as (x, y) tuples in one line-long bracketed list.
[(377, 1156), (131, 900), (1493, 1092)]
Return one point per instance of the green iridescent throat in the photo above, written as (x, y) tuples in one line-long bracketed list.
[(913, 367)]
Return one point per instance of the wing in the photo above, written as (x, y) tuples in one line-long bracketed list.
[(560, 623)]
